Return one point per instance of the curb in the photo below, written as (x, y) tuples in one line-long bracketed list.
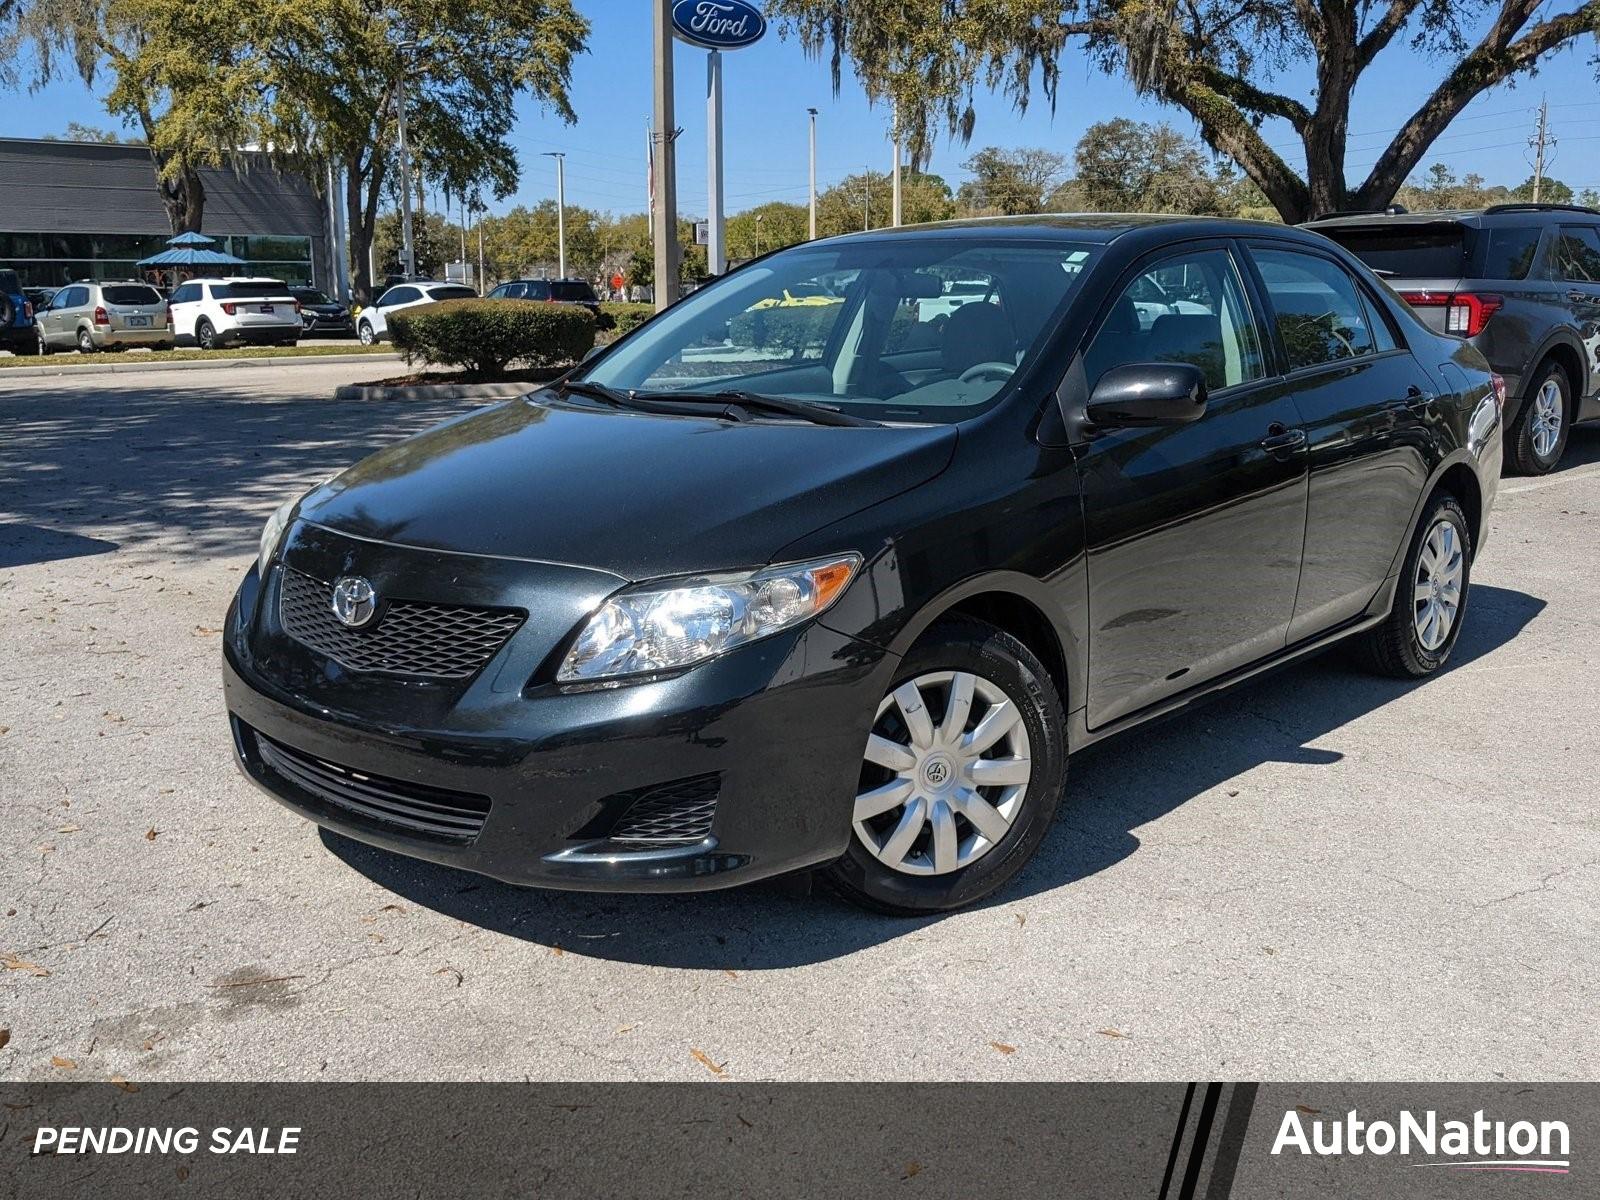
[(436, 391), (192, 364)]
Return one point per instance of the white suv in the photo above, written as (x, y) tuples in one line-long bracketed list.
[(373, 323), (216, 312)]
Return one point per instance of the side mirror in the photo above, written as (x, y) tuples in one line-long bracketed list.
[(1139, 395)]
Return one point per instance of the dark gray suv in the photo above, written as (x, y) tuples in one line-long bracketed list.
[(1521, 282)]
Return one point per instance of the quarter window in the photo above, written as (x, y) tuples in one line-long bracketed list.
[(1188, 309), (1578, 254), (1318, 312)]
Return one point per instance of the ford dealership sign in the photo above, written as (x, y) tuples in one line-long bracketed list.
[(718, 24)]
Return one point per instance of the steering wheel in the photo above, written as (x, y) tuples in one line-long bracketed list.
[(995, 370)]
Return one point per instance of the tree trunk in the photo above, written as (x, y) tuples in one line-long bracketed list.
[(360, 237), (182, 193)]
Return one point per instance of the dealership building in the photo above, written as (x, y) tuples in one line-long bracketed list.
[(90, 210)]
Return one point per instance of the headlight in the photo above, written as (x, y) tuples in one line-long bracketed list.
[(661, 627), (272, 533)]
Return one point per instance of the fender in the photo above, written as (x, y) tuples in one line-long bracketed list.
[(1458, 457), (1561, 335)]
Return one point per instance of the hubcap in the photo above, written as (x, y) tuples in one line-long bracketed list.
[(1548, 413), (945, 773), (1437, 592)]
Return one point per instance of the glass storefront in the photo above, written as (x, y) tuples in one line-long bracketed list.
[(52, 259)]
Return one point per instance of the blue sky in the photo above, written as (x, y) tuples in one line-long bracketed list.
[(769, 86)]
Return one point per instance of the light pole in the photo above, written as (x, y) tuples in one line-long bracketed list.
[(759, 217), (561, 206), (813, 227), (664, 135), (408, 253), (894, 136)]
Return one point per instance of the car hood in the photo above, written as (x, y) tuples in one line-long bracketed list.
[(640, 495), (326, 310)]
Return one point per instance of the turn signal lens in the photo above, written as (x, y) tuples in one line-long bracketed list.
[(663, 627)]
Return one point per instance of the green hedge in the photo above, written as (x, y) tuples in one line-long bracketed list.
[(786, 329), (488, 336), (624, 317)]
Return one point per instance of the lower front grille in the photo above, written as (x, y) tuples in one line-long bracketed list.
[(670, 814), (413, 808)]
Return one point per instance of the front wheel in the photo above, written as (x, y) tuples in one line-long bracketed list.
[(1430, 599), (960, 777), (366, 335)]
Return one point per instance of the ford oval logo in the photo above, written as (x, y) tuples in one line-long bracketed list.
[(718, 24)]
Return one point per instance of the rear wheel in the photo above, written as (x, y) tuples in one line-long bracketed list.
[(1540, 435), (86, 341), (1430, 599), (961, 774)]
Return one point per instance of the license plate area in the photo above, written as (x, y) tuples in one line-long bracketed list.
[(138, 322)]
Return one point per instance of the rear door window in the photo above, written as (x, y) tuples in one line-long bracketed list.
[(250, 291), (1318, 311), (571, 291), (1408, 251), (1578, 254), (452, 293)]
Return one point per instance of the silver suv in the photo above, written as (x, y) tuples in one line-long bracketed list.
[(105, 316)]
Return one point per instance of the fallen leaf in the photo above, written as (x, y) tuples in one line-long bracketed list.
[(113, 716), (4, 729), (70, 829), (627, 1028), (1022, 920), (1308, 1110), (12, 963), (5, 1038), (557, 951), (202, 631), (150, 835), (742, 1121), (1111, 1033), (460, 978), (182, 1172), (1269, 949), (730, 974), (1003, 1048), (119, 1081), (66, 1064), (912, 1169), (704, 1059), (150, 1043)]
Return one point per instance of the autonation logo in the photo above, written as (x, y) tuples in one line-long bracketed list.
[(1480, 1144)]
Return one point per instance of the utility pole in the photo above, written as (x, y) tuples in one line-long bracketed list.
[(408, 253), (561, 207), (1540, 139), (666, 189), (866, 199), (813, 226), (894, 136)]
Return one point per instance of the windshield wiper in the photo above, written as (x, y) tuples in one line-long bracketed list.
[(600, 391), (818, 414)]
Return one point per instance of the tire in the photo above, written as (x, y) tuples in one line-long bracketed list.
[(43, 347), (999, 666), (1397, 647), (86, 342), (1549, 400), (205, 335), (364, 332)]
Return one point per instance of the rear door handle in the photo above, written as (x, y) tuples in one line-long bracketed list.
[(1284, 441)]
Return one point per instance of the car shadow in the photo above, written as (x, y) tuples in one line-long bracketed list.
[(22, 545), (1113, 790)]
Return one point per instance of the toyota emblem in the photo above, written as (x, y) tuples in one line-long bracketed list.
[(354, 601)]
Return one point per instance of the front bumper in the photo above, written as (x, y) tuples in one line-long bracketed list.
[(779, 725), (313, 323)]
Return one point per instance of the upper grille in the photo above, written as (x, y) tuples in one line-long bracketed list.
[(676, 813), (436, 641), (413, 807)]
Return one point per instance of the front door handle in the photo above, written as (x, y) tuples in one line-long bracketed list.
[(1283, 441)]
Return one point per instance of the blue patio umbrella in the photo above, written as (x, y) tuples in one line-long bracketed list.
[(190, 250)]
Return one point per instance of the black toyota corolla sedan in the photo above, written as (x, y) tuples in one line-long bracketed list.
[(842, 585)]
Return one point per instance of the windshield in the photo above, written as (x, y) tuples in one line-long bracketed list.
[(571, 291), (873, 329), (1407, 251), (130, 293), (310, 296), (249, 290)]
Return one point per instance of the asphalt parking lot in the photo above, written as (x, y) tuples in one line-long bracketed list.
[(1324, 876)]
